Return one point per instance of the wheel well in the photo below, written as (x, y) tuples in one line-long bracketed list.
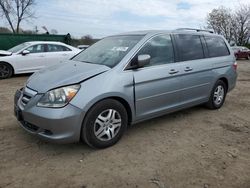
[(8, 65), (119, 99), (126, 105), (225, 81)]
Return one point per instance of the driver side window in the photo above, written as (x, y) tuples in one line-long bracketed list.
[(160, 49), (39, 48)]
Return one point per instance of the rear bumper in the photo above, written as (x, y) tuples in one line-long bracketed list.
[(59, 125)]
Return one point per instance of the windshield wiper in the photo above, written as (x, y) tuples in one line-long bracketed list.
[(87, 62), (95, 63)]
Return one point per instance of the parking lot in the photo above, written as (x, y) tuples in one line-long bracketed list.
[(193, 148)]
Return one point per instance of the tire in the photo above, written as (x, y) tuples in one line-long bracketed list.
[(217, 96), (248, 57), (101, 127), (236, 57), (6, 71)]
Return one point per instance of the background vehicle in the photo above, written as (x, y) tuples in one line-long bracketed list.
[(125, 79), (241, 52), (32, 56)]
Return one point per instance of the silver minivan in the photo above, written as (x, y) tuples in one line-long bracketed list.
[(125, 79)]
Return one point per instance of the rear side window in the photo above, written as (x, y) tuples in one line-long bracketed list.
[(216, 46), (189, 47), (57, 48)]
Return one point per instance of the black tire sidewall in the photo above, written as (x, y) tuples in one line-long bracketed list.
[(10, 71), (88, 123)]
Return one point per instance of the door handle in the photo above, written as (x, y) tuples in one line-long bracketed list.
[(187, 69), (41, 55), (173, 71)]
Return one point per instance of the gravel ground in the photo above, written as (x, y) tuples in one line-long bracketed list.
[(192, 148)]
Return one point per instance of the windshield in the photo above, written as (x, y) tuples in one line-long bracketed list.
[(18, 47), (109, 51)]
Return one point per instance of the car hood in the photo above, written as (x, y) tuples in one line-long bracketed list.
[(5, 53), (62, 74)]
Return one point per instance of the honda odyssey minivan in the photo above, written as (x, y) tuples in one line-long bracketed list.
[(125, 79)]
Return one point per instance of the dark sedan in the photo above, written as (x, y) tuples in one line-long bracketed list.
[(241, 52)]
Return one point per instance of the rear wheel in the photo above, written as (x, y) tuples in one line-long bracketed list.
[(6, 71), (105, 123), (217, 96)]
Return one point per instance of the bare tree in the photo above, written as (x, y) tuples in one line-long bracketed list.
[(87, 39), (242, 25), (234, 26), (221, 21), (4, 30), (54, 31), (15, 11)]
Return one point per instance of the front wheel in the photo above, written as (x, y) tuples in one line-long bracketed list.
[(217, 96), (104, 124), (5, 71)]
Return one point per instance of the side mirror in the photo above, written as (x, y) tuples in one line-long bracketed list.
[(143, 60), (25, 52)]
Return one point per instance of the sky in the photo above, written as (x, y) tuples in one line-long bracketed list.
[(101, 18)]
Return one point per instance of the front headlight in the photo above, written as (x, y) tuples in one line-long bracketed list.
[(59, 97)]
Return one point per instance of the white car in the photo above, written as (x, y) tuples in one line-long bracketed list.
[(30, 57)]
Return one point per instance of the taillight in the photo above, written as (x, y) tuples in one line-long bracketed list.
[(235, 65)]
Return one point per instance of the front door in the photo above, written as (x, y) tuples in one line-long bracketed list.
[(157, 86), (33, 61)]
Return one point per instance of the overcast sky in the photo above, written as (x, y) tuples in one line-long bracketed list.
[(106, 17)]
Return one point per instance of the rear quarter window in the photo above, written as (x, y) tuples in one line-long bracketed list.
[(66, 48), (216, 46), (57, 48)]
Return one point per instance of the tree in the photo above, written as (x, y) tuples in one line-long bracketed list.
[(234, 26), (242, 25), (27, 31), (54, 31), (87, 39), (4, 30), (15, 11), (221, 21)]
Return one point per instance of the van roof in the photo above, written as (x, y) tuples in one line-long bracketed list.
[(177, 31)]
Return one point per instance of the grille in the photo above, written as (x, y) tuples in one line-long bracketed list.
[(25, 99), (28, 94)]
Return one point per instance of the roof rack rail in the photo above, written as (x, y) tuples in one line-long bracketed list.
[(198, 30)]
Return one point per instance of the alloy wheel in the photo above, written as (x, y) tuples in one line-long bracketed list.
[(4, 71), (219, 95)]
